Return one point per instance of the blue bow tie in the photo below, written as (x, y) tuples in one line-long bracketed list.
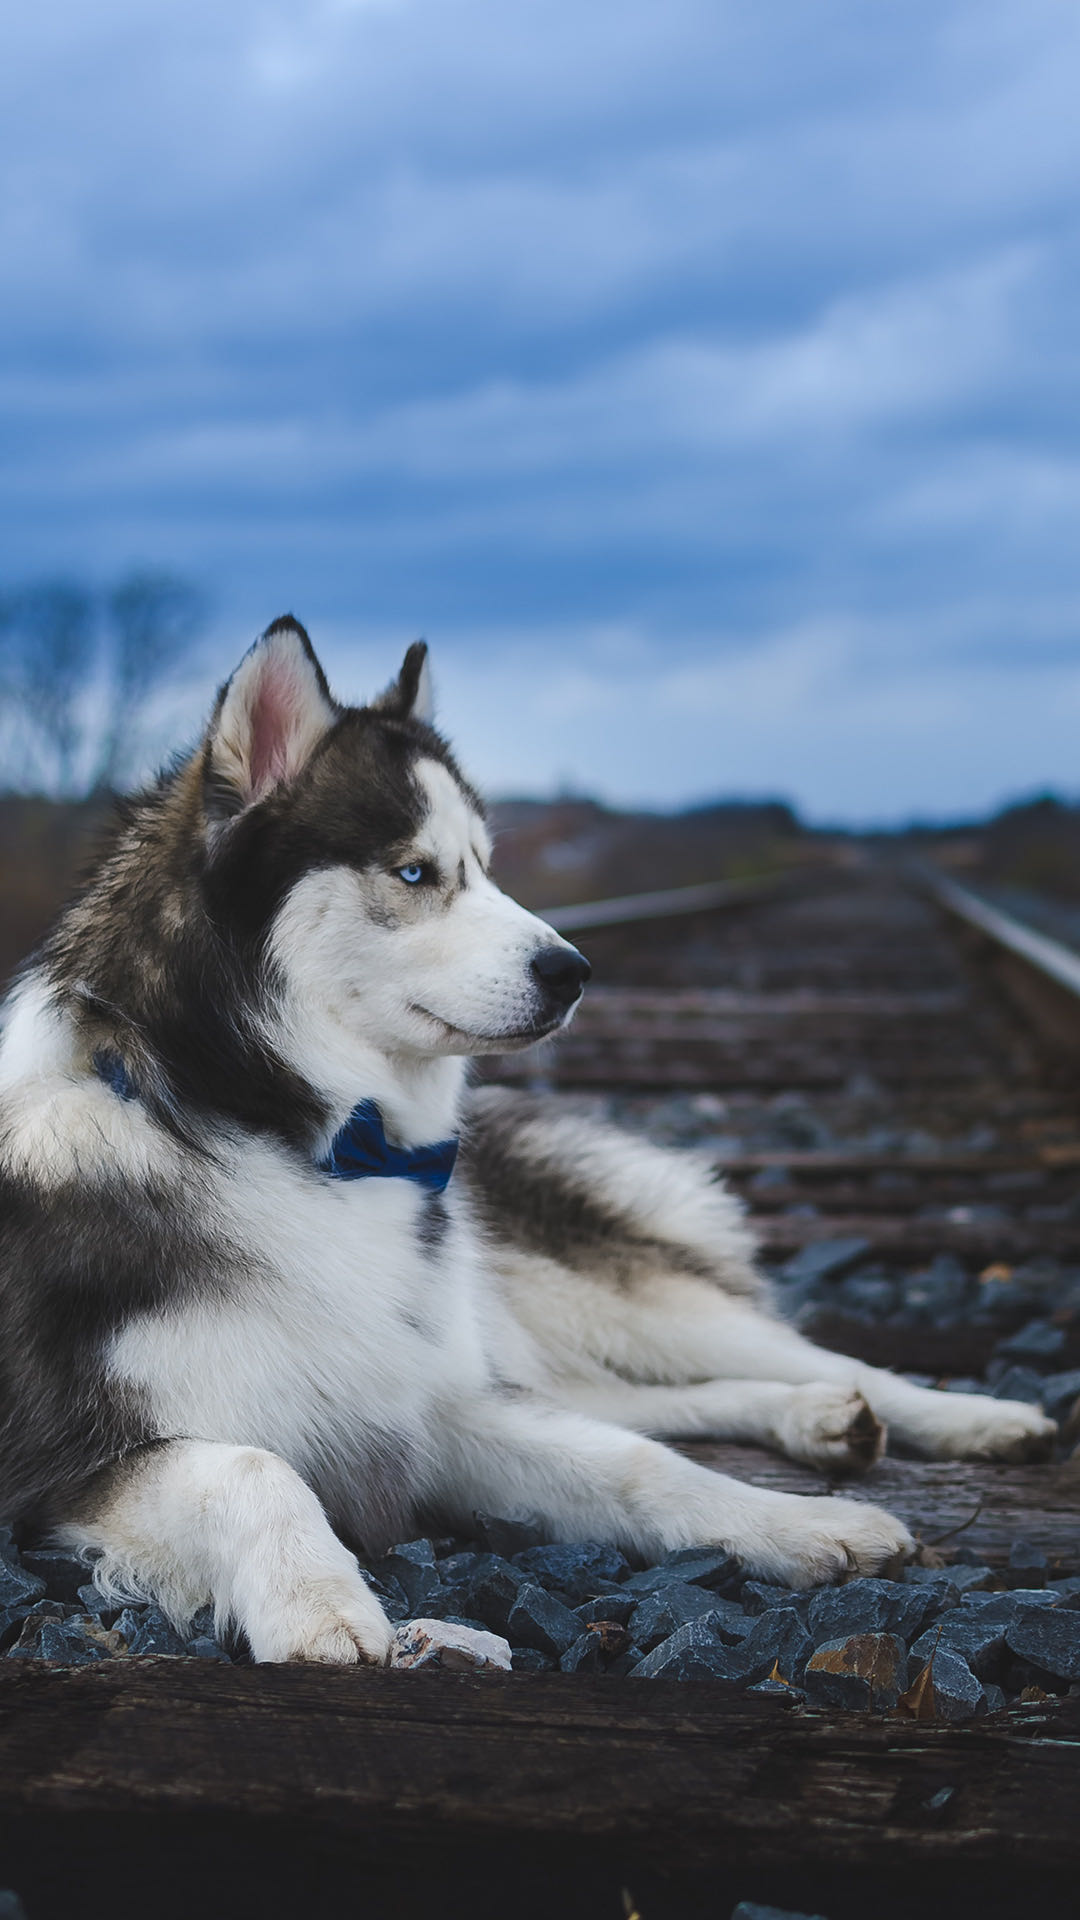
[(359, 1150)]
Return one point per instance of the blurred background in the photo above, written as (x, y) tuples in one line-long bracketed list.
[(701, 380)]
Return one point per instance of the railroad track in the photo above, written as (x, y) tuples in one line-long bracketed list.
[(888, 1078)]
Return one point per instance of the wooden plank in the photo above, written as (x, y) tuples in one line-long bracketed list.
[(781, 1235), (810, 1163), (993, 1505), (963, 1348), (414, 1757)]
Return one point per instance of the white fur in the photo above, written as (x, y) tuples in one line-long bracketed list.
[(235, 1525), (60, 1122)]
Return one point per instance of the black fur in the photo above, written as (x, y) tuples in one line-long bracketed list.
[(76, 1265), (532, 1199)]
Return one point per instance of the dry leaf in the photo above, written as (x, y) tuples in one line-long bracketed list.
[(919, 1698)]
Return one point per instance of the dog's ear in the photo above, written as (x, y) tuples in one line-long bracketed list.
[(410, 696), (269, 719)]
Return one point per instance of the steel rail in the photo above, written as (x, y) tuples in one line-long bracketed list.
[(660, 905), (1041, 974)]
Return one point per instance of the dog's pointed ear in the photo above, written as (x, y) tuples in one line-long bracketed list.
[(269, 719), (411, 696)]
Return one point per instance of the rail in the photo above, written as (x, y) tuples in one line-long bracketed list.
[(663, 905), (1040, 974)]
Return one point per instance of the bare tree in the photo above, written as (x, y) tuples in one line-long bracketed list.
[(78, 674), (153, 619)]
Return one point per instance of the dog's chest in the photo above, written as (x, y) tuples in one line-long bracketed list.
[(333, 1319)]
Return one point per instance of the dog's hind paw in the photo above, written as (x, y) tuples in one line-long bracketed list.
[(832, 1428), (972, 1426)]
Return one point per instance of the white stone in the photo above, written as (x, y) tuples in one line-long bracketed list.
[(438, 1643)]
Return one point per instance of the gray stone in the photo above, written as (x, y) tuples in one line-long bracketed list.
[(435, 1643), (937, 1290), (966, 1632), (1059, 1391), (576, 1572), (1038, 1340), (958, 1694), (1018, 1383), (824, 1259), (708, 1567), (388, 1593), (413, 1566), (616, 1607), (758, 1596), (780, 1689), (91, 1601), (538, 1619), (750, 1910), (869, 1293), (597, 1647), (971, 1579), (861, 1671), (657, 1616), (506, 1537), (204, 1647), (874, 1606), (62, 1574), (693, 1652), (18, 1588), (11, 1907), (44, 1638), (46, 1610), (128, 1623), (1049, 1637), (779, 1639), (995, 1697), (1028, 1566), (531, 1660), (1008, 1604), (491, 1590), (156, 1635)]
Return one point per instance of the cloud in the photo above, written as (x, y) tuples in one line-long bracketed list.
[(740, 337)]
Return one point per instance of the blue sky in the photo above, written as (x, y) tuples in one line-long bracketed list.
[(700, 378)]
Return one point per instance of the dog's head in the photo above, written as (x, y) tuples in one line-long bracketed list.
[(345, 843)]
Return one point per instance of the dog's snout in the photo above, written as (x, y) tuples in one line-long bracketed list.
[(562, 972)]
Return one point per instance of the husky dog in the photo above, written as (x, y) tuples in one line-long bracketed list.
[(249, 1321)]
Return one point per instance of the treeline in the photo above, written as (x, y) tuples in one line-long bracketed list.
[(1033, 845)]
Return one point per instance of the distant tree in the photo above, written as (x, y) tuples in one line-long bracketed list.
[(79, 671)]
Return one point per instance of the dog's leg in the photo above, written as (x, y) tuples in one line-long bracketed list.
[(680, 1329), (195, 1521), (513, 1454), (823, 1426)]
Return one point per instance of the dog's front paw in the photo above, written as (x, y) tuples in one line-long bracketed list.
[(832, 1428), (811, 1542), (972, 1426), (336, 1620)]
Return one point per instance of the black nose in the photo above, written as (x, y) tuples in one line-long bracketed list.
[(562, 972)]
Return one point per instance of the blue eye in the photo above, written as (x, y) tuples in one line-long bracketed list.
[(412, 876)]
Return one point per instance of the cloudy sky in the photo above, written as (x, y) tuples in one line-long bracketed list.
[(700, 378)]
